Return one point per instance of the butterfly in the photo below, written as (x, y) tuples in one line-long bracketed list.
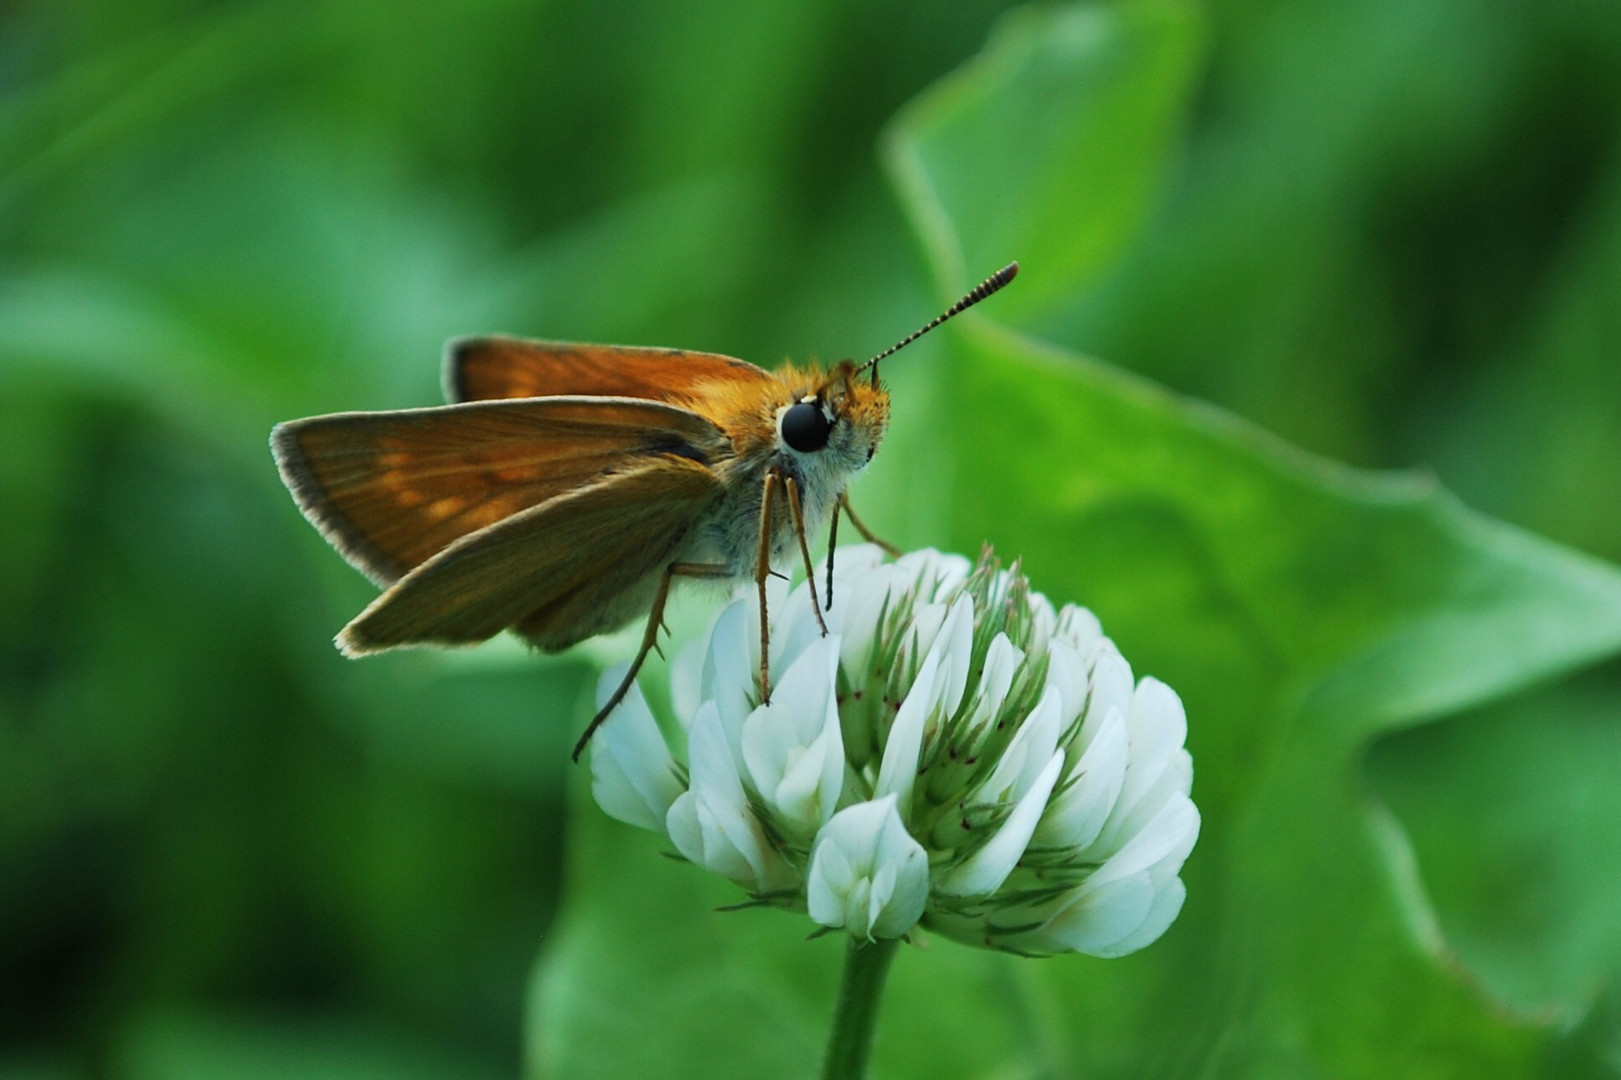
[(566, 486)]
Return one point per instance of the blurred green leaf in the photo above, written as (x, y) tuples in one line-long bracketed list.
[(1299, 609), (1539, 434), (339, 288), (1524, 787), (178, 1046), (647, 978), (1049, 147), (1372, 213), (33, 1068)]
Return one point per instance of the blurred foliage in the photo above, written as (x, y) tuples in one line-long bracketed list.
[(1388, 231)]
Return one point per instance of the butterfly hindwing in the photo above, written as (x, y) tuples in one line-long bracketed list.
[(578, 565)]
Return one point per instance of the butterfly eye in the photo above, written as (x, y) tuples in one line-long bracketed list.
[(805, 427)]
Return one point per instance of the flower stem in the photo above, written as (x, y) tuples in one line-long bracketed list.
[(850, 1043)]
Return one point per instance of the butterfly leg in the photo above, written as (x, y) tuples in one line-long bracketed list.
[(798, 510), (762, 570), (650, 639), (867, 534), (832, 545)]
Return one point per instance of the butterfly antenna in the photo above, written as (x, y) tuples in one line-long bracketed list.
[(978, 293)]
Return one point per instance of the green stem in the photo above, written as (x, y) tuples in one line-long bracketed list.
[(850, 1043)]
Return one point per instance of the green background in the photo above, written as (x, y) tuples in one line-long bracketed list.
[(1257, 240)]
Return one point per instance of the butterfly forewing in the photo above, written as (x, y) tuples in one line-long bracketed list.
[(485, 368), (393, 489), (560, 572)]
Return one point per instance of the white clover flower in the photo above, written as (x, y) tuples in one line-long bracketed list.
[(955, 755), (867, 875)]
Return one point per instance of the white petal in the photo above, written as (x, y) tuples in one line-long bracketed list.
[(854, 560), (860, 610), (686, 678), (712, 824), (830, 784), (867, 874), (1043, 621), (873, 596), (933, 574), (1111, 689), (1079, 627), (729, 671), (1078, 813), (898, 770), (699, 837), (914, 587), (881, 891), (1096, 919), (793, 748), (633, 776), (793, 627), (927, 619), (984, 871), (956, 647), (1027, 752), (1156, 719), (1002, 660), (1111, 920), (1067, 674), (935, 691), (852, 577), (800, 798), (1158, 766), (1162, 844), (1162, 913), (810, 680)]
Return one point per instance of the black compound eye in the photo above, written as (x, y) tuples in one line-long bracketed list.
[(805, 427)]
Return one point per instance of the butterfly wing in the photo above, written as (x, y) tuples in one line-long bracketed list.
[(392, 489), (577, 565), (486, 368)]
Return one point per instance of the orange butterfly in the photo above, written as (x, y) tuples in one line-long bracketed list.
[(568, 485)]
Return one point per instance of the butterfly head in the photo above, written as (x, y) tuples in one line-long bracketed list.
[(837, 423)]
